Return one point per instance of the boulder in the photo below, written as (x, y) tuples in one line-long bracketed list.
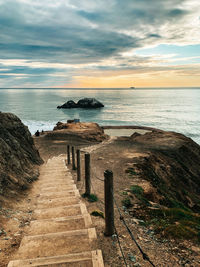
[(90, 103), (19, 159), (69, 104), (85, 130)]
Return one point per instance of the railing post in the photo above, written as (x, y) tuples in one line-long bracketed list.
[(73, 159), (87, 174), (109, 204), (78, 164), (68, 154)]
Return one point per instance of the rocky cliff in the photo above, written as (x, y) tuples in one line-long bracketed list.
[(19, 158), (171, 164)]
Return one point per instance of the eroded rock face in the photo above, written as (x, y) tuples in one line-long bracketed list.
[(19, 158), (171, 165), (90, 103), (86, 130)]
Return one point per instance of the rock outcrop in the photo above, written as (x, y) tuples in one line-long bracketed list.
[(19, 158), (171, 165), (85, 130), (69, 104), (90, 103)]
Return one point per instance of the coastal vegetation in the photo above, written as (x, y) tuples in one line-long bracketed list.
[(176, 221), (97, 213), (91, 197)]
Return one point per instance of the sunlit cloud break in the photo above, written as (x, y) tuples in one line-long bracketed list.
[(99, 43)]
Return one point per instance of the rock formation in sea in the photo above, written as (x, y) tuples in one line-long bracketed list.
[(90, 103), (19, 159)]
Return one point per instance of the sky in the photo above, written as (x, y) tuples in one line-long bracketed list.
[(99, 43)]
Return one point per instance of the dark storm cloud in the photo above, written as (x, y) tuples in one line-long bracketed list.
[(64, 44), (50, 39)]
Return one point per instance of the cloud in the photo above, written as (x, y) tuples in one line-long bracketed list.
[(49, 38)]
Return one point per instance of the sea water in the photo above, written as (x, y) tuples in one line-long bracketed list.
[(168, 109)]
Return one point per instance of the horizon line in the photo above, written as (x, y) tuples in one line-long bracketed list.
[(94, 88)]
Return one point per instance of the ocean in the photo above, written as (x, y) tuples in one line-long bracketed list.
[(164, 108)]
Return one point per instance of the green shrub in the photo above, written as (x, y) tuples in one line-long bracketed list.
[(126, 202), (97, 213), (130, 171), (90, 198), (137, 190), (176, 204), (176, 223), (124, 193), (179, 231)]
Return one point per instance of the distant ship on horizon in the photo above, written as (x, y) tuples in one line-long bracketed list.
[(132, 87)]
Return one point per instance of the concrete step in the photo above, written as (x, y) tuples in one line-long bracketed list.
[(57, 202), (60, 224), (64, 172), (60, 233), (56, 244), (55, 162), (55, 184), (57, 212), (62, 188), (56, 171), (55, 177), (49, 183), (84, 259), (53, 165), (59, 194), (54, 181)]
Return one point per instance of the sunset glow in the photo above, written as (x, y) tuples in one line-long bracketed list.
[(99, 43)]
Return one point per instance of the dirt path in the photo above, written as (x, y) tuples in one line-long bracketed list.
[(60, 231), (92, 148)]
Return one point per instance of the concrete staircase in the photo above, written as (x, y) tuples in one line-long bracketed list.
[(61, 232)]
